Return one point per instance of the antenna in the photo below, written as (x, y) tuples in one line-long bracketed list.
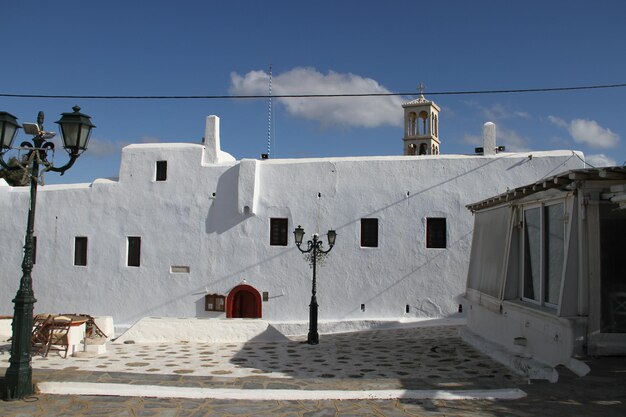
[(269, 115)]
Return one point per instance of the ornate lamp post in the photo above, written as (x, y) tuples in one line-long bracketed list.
[(314, 247), (75, 129)]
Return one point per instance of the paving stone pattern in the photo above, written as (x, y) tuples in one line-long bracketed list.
[(403, 358), (420, 358)]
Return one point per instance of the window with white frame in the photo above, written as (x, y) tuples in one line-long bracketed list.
[(543, 253)]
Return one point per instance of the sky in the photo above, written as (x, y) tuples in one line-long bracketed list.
[(202, 48)]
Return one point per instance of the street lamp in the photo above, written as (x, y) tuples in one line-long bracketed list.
[(75, 129), (314, 246)]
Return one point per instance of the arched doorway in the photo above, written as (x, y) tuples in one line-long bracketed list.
[(243, 302)]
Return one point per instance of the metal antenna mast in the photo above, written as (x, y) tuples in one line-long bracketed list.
[(269, 116)]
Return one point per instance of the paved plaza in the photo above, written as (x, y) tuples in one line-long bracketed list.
[(425, 370)]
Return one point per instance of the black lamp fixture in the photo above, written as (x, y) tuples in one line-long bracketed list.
[(314, 246), (75, 130), (8, 130)]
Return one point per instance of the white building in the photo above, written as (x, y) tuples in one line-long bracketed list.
[(186, 229), (546, 279)]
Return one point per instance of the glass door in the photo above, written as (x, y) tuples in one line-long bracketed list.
[(608, 316)]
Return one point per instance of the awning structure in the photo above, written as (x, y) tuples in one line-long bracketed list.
[(564, 181)]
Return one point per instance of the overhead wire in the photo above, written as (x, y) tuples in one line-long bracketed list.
[(286, 96)]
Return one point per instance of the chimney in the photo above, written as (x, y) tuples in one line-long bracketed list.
[(489, 139), (212, 140)]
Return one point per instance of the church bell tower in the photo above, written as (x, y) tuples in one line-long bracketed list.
[(421, 126)]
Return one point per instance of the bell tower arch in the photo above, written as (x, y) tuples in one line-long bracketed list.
[(421, 126)]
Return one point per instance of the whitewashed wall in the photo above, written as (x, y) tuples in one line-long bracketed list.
[(182, 223)]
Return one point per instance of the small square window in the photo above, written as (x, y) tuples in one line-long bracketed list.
[(134, 251), (161, 171), (80, 251), (214, 302), (278, 231), (436, 232), (369, 233)]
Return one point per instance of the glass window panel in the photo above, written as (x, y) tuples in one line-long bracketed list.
[(436, 232), (489, 244), (532, 253), (555, 251), (613, 269), (369, 233), (278, 231), (214, 302), (161, 170), (134, 251), (80, 251)]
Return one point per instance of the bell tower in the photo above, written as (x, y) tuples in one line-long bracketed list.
[(421, 126)]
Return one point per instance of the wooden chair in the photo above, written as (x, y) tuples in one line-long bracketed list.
[(41, 334), (59, 335)]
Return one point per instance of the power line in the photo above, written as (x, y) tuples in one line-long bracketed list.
[(232, 97)]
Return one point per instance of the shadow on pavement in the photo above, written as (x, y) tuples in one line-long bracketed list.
[(416, 358)]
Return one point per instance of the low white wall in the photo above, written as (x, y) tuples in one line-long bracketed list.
[(169, 329), (5, 329), (530, 332)]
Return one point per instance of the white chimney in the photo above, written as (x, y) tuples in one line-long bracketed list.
[(489, 138), (212, 140)]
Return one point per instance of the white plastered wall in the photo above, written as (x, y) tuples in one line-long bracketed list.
[(195, 219)]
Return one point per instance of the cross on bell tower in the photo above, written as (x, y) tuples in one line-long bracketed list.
[(421, 126)]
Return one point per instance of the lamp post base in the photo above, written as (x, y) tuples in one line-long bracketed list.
[(19, 375), (313, 337), (18, 385)]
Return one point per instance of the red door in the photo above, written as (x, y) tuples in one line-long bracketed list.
[(243, 302), (244, 305)]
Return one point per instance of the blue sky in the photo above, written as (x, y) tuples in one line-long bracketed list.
[(215, 48)]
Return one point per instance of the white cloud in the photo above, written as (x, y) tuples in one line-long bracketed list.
[(558, 122), (600, 160), (149, 139), (513, 141), (472, 140), (496, 112), (341, 111), (587, 132), (591, 133), (98, 147)]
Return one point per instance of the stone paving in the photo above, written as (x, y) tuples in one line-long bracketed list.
[(424, 356), (418, 358)]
